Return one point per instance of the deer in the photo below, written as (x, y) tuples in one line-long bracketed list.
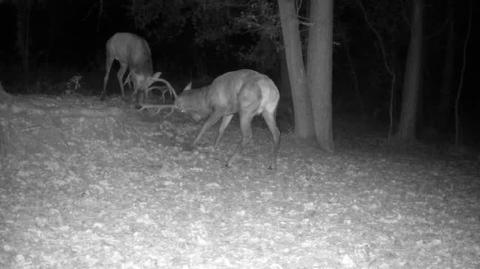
[(133, 53), (244, 92)]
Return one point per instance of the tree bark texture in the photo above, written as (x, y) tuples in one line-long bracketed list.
[(319, 70), (413, 76), (296, 69)]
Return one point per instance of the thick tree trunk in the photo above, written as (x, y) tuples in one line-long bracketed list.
[(319, 70), (284, 80), (296, 69), (413, 73)]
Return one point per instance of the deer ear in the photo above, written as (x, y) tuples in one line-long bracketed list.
[(188, 87), (157, 75)]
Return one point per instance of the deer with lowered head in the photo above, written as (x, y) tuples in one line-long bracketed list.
[(133, 53), (245, 92)]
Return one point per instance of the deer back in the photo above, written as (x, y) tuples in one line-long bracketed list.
[(131, 50), (243, 89), (230, 93)]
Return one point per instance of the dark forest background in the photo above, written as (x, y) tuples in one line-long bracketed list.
[(199, 40)]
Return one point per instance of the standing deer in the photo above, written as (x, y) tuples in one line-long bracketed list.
[(245, 92), (133, 53)]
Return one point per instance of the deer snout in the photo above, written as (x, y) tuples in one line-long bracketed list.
[(178, 105)]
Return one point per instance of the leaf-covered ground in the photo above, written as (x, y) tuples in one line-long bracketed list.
[(89, 185)]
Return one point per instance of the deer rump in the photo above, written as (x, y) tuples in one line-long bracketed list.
[(245, 92), (133, 53)]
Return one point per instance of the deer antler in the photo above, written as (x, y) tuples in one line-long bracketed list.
[(170, 88), (159, 107), (163, 89)]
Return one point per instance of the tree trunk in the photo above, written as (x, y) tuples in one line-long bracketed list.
[(296, 69), (24, 8), (319, 70), (285, 91), (412, 80), (444, 111)]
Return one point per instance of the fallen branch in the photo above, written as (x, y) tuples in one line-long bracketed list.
[(157, 107)]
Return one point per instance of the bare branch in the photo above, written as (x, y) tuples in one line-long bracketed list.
[(385, 62), (462, 75)]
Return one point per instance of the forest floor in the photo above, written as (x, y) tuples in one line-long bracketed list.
[(87, 184)]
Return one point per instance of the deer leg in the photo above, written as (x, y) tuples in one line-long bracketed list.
[(225, 121), (139, 97), (120, 74), (216, 115), (132, 84), (246, 128), (138, 100), (128, 81), (108, 66), (272, 126)]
